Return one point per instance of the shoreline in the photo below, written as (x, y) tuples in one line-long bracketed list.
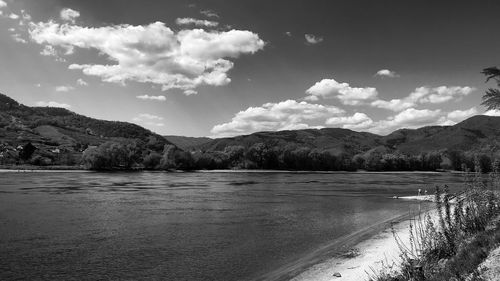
[(27, 168), (350, 255)]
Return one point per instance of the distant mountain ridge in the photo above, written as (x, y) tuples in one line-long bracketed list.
[(58, 133), (479, 133)]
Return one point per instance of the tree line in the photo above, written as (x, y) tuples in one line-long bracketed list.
[(114, 155)]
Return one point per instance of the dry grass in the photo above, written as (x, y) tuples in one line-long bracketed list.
[(452, 247)]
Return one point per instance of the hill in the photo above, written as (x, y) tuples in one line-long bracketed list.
[(60, 136), (426, 148), (56, 136), (477, 134), (334, 140), (187, 143)]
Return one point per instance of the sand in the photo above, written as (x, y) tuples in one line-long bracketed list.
[(378, 252)]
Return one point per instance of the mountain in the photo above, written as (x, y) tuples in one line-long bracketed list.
[(334, 140), (59, 133), (478, 134), (187, 143), (56, 136)]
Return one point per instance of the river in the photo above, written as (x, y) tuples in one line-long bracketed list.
[(188, 226)]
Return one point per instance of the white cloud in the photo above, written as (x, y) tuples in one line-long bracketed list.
[(147, 97), (13, 16), (153, 53), (410, 118), (17, 37), (190, 92), (329, 88), (358, 121), (68, 14), (64, 88), (492, 112), (149, 119), (52, 104), (288, 33), (444, 93), (386, 73), (81, 82), (313, 39), (209, 13), (3, 4), (285, 115), (459, 115), (423, 95), (196, 22), (25, 16), (48, 51), (147, 116)]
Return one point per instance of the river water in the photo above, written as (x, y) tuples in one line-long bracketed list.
[(187, 226)]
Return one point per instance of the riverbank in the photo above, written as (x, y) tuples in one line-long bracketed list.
[(369, 256), (81, 168)]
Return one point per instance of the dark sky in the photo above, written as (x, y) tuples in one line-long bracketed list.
[(438, 47)]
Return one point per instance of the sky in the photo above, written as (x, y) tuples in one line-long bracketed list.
[(223, 68)]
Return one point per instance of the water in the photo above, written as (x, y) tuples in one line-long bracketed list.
[(186, 226)]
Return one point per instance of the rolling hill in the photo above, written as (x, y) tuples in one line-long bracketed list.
[(59, 136), (478, 134), (59, 133)]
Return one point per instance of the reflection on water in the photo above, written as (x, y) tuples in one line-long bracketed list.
[(186, 226)]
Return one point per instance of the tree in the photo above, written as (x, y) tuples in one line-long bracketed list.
[(152, 160), (111, 155), (491, 98)]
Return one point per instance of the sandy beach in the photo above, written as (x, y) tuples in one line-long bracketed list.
[(372, 255)]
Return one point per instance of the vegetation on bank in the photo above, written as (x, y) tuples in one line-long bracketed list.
[(452, 248)]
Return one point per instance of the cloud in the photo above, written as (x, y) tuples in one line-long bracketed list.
[(68, 14), (81, 82), (3, 4), (147, 97), (285, 115), (492, 112), (17, 37), (444, 93), (13, 16), (52, 104), (196, 22), (329, 88), (459, 115), (147, 116), (386, 73), (152, 53), (423, 95), (409, 118), (358, 121), (48, 51), (313, 39), (149, 119), (209, 13), (64, 88), (288, 33)]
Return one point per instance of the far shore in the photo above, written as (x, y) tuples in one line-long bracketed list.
[(32, 168)]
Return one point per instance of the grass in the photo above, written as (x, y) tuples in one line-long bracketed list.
[(451, 248)]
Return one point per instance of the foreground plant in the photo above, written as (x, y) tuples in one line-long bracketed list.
[(466, 231)]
